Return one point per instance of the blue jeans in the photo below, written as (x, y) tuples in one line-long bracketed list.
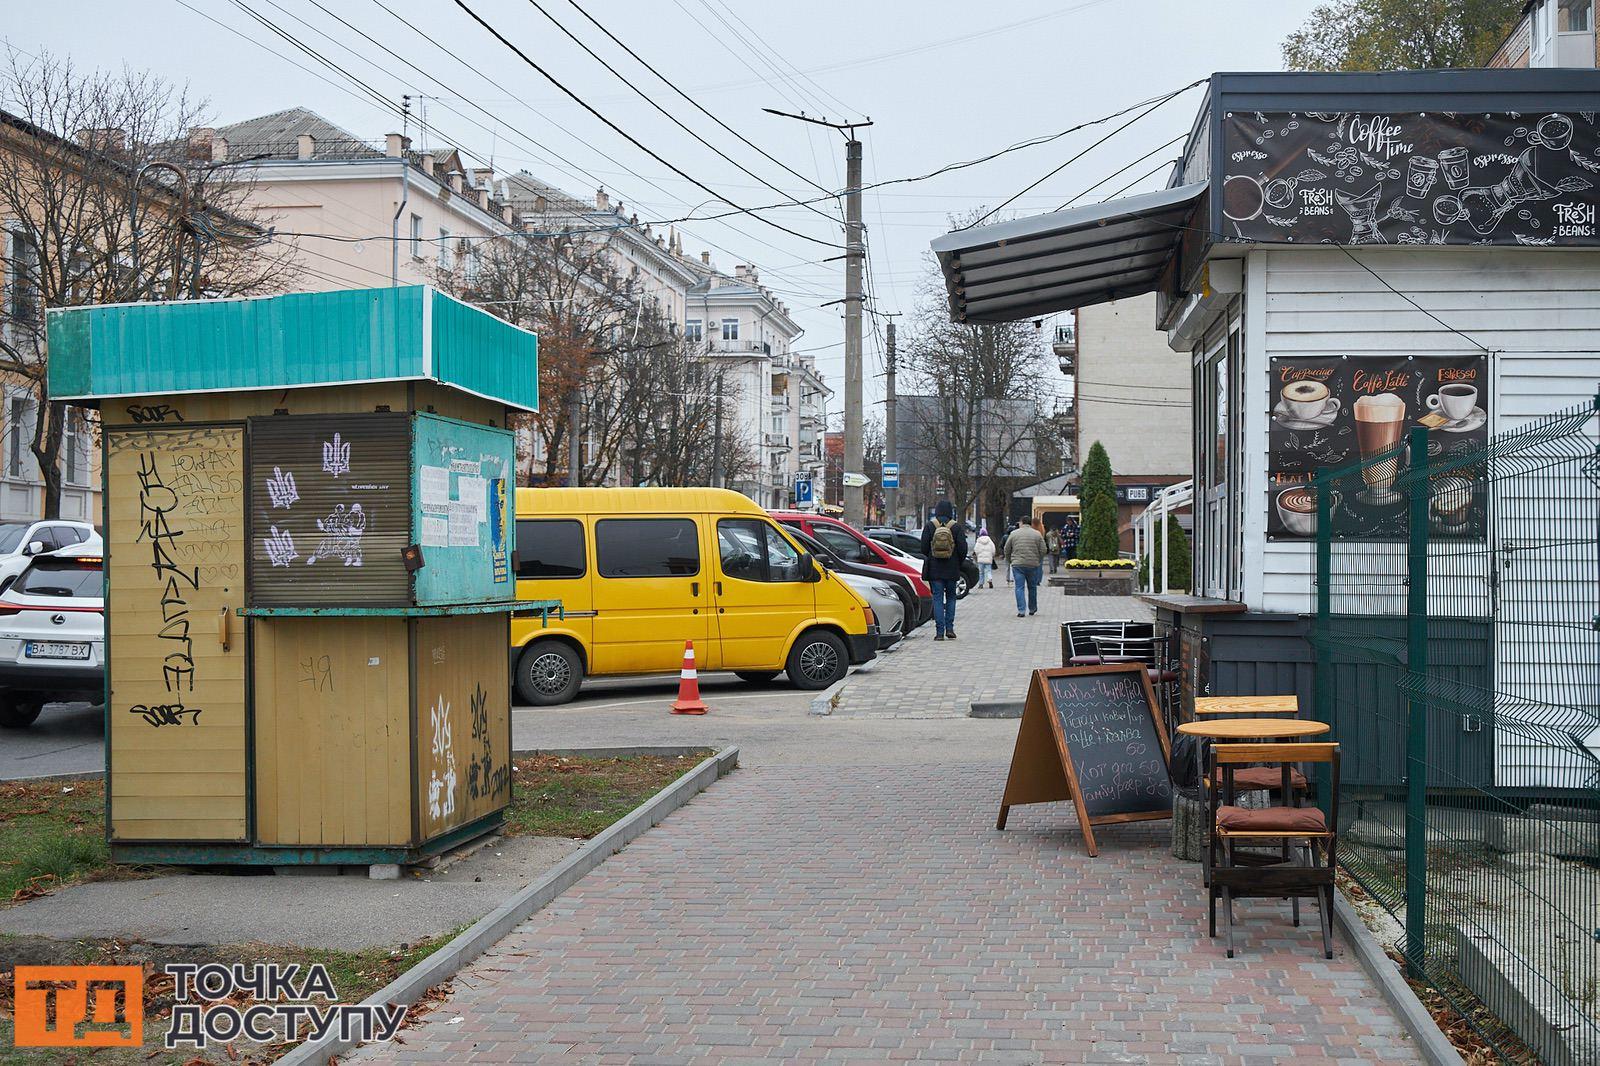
[(944, 605), (985, 573), (1028, 579)]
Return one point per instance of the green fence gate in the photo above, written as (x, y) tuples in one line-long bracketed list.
[(1457, 637)]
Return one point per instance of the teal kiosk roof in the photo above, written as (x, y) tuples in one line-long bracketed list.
[(299, 340)]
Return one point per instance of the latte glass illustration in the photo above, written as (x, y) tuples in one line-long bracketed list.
[(1306, 399), (1451, 504), (1420, 176), (1455, 401), (1380, 423), (1456, 167)]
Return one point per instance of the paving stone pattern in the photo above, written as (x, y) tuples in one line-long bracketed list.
[(852, 915), (991, 659)]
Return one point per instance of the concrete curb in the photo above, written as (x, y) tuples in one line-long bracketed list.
[(995, 709), (92, 775), (1434, 1047), (443, 964), (665, 750), (822, 702)]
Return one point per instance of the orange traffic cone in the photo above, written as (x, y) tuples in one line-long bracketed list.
[(688, 701)]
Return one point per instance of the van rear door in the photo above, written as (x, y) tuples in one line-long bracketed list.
[(652, 592), (760, 595)]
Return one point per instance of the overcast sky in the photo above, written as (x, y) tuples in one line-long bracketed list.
[(942, 81)]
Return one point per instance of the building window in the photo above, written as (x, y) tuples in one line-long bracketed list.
[(730, 329), (416, 236), (75, 447), (694, 331), (22, 268), (444, 248), (1575, 16), (18, 432)]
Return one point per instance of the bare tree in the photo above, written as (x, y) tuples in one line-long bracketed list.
[(102, 202)]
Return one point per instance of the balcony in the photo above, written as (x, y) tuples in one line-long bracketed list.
[(776, 441), (1065, 345), (718, 346)]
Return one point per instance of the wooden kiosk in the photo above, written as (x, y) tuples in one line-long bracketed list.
[(309, 580)]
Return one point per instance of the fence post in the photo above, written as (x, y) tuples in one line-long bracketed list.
[(1323, 682), (1417, 715)]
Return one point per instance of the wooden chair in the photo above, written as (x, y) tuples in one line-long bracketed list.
[(1286, 825)]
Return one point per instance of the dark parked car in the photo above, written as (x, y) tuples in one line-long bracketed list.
[(911, 544), (919, 609)]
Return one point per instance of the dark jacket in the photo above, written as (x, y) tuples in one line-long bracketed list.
[(943, 569)]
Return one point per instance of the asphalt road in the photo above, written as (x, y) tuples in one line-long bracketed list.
[(68, 738)]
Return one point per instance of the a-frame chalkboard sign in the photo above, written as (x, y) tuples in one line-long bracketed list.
[(1091, 734)]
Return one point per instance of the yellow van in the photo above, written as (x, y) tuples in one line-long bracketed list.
[(640, 571)]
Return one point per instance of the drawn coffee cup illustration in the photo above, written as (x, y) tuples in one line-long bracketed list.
[(1447, 210), (1380, 424), (1553, 132), (1451, 498), (1297, 508), (1242, 197), (1280, 192), (1421, 173), (1456, 168), (1305, 400), (1455, 400)]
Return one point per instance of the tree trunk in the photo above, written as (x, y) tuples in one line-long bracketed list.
[(46, 448)]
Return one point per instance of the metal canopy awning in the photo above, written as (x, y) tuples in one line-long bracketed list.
[(1088, 255)]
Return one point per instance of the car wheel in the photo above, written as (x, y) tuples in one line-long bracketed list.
[(756, 677), (817, 660), (549, 672), (961, 587), (19, 712)]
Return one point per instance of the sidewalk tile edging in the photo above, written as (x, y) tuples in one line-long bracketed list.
[(443, 964), (1432, 1044)]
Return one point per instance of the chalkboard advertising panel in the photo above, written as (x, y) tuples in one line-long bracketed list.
[(1315, 177), (330, 509), (1092, 735), (464, 491), (1330, 412)]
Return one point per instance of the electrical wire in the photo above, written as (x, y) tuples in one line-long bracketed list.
[(1123, 169), (520, 54), (1149, 173)]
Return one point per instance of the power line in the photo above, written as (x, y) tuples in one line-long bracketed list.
[(1123, 169), (1149, 173), (782, 62), (520, 54)]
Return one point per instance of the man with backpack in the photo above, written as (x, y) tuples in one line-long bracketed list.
[(944, 550)]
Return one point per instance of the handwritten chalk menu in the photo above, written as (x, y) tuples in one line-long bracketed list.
[(330, 509), (1092, 735), (1505, 178)]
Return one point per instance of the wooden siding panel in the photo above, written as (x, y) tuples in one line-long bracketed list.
[(463, 720)]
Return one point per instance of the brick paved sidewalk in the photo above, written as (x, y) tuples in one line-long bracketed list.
[(990, 661), (847, 915)]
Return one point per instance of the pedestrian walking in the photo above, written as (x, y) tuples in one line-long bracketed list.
[(1025, 551), (944, 549), (1052, 543), (983, 553), (1069, 538)]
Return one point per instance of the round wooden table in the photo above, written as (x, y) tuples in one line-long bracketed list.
[(1246, 705), (1253, 728), (1189, 828)]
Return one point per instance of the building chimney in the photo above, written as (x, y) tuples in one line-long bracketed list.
[(305, 146), (705, 257), (540, 205), (601, 200), (741, 272), (396, 145), (201, 139), (457, 181), (484, 176), (507, 215), (483, 198), (219, 150), (429, 164), (103, 140)]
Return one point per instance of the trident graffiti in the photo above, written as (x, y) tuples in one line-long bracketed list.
[(280, 488), (336, 456), (280, 547)]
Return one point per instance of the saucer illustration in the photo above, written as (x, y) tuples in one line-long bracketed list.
[(1289, 420), (1474, 420)]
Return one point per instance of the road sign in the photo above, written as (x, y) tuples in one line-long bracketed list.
[(855, 481), (891, 475), (802, 490)]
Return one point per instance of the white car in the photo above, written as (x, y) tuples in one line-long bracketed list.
[(52, 634), (885, 604), (21, 541)]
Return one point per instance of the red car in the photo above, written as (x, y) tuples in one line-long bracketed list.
[(854, 546)]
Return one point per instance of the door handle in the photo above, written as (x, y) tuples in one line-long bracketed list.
[(694, 588), (719, 588)]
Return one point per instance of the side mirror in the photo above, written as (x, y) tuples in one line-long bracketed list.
[(809, 571), (34, 547)]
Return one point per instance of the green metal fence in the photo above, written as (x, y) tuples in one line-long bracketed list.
[(1458, 663)]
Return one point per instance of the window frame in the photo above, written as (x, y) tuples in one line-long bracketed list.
[(416, 236), (694, 330), (17, 448), (583, 550), (765, 530), (600, 568), (730, 334)]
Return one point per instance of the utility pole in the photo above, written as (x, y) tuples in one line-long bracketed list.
[(855, 256), (891, 497)]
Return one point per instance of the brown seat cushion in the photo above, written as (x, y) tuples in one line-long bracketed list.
[(1287, 820), (1253, 778)]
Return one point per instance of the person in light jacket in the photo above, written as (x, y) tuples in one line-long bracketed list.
[(983, 553), (1025, 551)]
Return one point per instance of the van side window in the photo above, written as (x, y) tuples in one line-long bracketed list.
[(647, 547), (844, 545), (550, 548), (752, 550)]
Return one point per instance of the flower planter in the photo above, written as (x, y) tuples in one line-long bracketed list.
[(1112, 581)]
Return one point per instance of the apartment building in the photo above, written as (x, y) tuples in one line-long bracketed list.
[(1551, 33)]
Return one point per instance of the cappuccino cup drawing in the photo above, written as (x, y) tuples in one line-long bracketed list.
[(1380, 423), (1297, 509), (1306, 399), (1451, 497), (1455, 401)]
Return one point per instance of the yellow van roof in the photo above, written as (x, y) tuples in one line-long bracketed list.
[(531, 501)]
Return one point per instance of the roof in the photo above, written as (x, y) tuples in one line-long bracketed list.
[(344, 337), (633, 501), (1037, 266), (278, 134)]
